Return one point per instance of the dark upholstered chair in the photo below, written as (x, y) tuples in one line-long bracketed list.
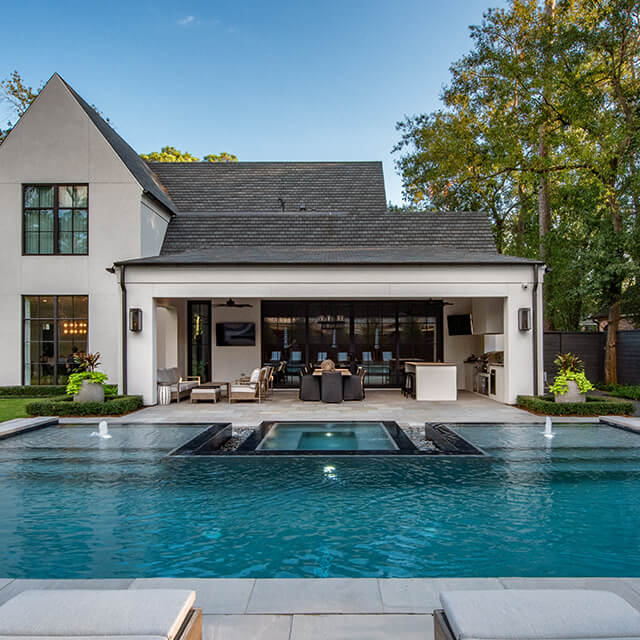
[(331, 387), (353, 387), (309, 386)]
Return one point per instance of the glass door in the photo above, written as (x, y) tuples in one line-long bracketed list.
[(199, 315)]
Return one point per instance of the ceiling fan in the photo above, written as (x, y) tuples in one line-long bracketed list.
[(233, 304)]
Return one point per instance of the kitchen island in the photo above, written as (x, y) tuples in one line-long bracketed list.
[(434, 380)]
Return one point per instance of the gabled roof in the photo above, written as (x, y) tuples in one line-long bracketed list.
[(136, 165), (227, 187), (457, 233)]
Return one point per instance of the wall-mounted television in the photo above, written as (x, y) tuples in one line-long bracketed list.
[(460, 325), (235, 334)]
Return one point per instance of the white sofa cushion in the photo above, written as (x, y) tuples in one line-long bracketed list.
[(244, 388), (539, 614), (74, 613)]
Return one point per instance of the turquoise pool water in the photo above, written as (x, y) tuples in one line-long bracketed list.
[(75, 506), (328, 436)]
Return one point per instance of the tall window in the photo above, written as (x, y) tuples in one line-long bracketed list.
[(55, 219), (200, 339), (55, 328)]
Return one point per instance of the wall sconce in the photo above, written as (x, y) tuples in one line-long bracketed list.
[(135, 320), (524, 319)]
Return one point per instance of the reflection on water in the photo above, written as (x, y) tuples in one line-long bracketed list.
[(74, 506)]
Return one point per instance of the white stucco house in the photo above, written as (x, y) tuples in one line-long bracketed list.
[(216, 268)]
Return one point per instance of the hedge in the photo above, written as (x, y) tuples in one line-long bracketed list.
[(32, 391), (46, 391), (65, 406), (631, 391), (592, 407)]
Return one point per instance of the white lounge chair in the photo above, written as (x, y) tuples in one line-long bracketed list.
[(145, 614), (535, 614)]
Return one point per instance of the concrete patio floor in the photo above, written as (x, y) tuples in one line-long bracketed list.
[(329, 609), (378, 405)]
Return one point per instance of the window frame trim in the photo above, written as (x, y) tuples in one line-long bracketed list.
[(56, 224), (55, 320)]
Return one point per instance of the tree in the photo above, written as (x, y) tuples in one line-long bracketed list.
[(540, 128), (171, 154), (19, 96)]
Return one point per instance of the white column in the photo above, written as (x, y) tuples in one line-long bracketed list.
[(141, 347)]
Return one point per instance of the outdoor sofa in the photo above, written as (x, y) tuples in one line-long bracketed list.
[(126, 614), (535, 614), (180, 385)]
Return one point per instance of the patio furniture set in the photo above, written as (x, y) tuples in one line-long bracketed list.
[(169, 614), (331, 384), (172, 386)]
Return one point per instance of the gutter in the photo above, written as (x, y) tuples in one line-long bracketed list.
[(534, 313), (123, 298)]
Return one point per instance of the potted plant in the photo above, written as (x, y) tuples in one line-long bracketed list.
[(87, 384), (570, 385)]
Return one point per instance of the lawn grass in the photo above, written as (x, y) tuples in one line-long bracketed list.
[(11, 408)]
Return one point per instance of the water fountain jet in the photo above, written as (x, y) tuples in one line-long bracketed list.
[(548, 428), (103, 430)]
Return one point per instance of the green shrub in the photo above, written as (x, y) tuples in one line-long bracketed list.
[(64, 406), (76, 379), (631, 391), (31, 391), (592, 407), (570, 367)]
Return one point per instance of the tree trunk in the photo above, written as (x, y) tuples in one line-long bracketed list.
[(611, 352)]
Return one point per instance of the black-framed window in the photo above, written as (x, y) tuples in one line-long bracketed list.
[(55, 219), (55, 328), (380, 335)]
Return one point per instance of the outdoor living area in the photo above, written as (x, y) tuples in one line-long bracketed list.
[(348, 356)]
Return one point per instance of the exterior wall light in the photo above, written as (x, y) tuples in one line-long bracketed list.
[(524, 319), (135, 320)]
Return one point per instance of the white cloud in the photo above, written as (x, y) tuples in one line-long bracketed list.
[(186, 21)]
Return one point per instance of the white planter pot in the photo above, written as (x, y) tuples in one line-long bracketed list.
[(90, 392), (572, 395)]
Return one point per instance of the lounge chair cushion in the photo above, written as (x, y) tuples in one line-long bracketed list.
[(539, 614), (70, 613), (243, 388), (255, 374)]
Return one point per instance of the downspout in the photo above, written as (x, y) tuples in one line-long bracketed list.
[(123, 298), (534, 313)]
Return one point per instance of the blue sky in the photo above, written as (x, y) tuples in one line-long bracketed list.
[(323, 80)]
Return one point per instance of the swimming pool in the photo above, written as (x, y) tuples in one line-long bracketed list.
[(75, 506)]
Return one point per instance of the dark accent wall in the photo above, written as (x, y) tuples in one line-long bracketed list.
[(590, 347)]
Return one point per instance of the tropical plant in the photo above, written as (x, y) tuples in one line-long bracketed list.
[(568, 362), (570, 367)]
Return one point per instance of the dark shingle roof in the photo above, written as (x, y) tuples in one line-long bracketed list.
[(227, 187), (261, 255), (454, 232), (127, 154)]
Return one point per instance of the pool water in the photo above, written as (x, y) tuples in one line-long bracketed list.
[(76, 506), (328, 436)]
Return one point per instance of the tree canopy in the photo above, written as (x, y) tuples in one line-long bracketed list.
[(171, 154), (540, 127)]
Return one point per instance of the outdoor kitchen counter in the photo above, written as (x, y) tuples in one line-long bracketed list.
[(434, 380)]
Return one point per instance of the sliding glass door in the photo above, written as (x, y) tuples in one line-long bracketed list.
[(380, 335), (199, 315)]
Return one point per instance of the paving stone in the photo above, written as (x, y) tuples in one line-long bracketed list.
[(363, 627), (4, 582), (18, 586), (309, 595), (409, 595), (18, 425), (266, 627), (220, 595)]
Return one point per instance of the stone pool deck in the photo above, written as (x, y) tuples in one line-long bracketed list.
[(330, 609), (378, 405)]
